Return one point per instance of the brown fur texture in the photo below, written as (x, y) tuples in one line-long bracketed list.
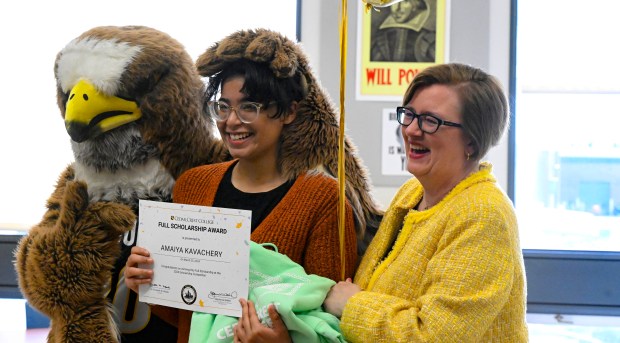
[(65, 262), (311, 141), (62, 274)]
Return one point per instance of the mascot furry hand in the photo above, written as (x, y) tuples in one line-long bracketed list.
[(132, 104)]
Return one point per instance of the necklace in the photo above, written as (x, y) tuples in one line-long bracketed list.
[(427, 205), (419, 206)]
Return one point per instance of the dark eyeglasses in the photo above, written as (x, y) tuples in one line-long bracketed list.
[(428, 123)]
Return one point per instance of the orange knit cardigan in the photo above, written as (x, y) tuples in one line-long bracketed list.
[(304, 225)]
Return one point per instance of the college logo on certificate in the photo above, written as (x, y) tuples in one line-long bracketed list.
[(201, 256), (188, 294)]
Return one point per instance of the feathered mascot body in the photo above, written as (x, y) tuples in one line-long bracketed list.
[(132, 103)]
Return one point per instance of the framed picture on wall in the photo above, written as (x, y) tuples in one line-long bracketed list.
[(397, 42)]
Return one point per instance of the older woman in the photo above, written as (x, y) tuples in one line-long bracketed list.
[(445, 265)]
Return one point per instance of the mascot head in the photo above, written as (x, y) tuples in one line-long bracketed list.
[(134, 83)]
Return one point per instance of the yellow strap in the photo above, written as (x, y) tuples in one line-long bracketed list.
[(341, 171)]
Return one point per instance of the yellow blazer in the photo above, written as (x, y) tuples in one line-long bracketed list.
[(455, 272)]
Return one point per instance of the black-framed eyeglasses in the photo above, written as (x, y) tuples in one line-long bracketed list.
[(426, 122), (247, 111)]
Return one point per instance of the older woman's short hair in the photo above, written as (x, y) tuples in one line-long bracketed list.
[(484, 107)]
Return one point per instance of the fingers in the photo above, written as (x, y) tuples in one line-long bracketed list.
[(238, 332), (247, 307), (139, 256), (338, 296), (278, 324), (239, 329), (250, 329), (254, 320), (134, 275), (331, 302), (136, 250), (248, 323)]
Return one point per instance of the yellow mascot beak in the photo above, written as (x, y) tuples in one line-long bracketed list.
[(90, 113)]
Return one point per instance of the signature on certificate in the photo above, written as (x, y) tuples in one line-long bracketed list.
[(222, 297)]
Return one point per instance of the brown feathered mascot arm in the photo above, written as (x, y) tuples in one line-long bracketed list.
[(54, 278), (311, 140)]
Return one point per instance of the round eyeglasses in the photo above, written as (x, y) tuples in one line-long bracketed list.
[(247, 112), (428, 123)]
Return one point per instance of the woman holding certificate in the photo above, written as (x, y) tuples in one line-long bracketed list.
[(273, 118)]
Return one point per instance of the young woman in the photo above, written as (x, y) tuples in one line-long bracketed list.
[(294, 208)]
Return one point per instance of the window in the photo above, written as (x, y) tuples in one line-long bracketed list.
[(565, 153), (35, 146)]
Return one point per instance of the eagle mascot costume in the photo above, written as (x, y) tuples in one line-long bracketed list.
[(133, 104)]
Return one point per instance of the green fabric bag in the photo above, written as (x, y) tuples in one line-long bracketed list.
[(275, 279)]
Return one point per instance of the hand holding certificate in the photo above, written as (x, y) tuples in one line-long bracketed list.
[(201, 256)]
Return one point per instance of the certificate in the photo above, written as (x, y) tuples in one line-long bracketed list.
[(201, 256)]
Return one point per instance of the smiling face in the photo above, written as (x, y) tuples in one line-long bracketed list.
[(442, 156), (254, 142)]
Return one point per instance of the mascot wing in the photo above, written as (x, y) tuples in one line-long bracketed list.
[(132, 104)]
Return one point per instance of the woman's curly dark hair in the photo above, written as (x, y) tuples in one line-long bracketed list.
[(260, 85)]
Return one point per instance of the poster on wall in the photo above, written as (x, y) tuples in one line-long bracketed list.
[(397, 42), (393, 158)]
